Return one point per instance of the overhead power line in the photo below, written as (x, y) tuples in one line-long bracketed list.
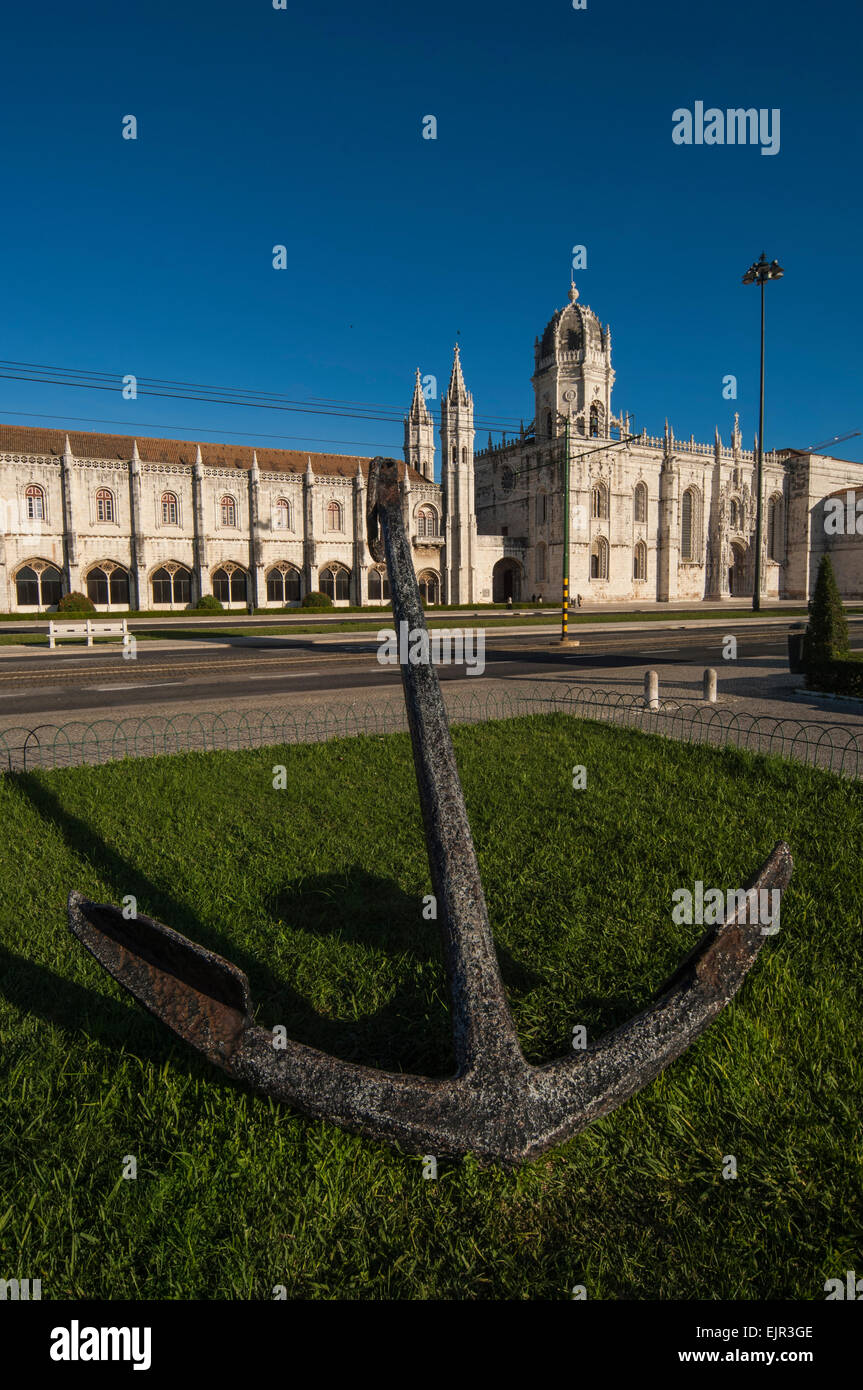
[(85, 379)]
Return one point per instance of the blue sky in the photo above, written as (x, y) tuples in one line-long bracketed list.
[(303, 127)]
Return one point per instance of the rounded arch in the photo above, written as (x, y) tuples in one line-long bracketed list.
[(284, 583), (599, 558), (171, 585), (541, 507), (597, 419), (170, 505), (107, 584), (106, 507), (283, 515), (426, 519), (38, 584), (230, 583), (334, 515), (429, 586), (334, 579), (34, 499), (506, 581), (228, 509), (378, 584)]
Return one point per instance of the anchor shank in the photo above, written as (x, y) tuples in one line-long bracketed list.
[(484, 1033)]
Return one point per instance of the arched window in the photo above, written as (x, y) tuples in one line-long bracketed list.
[(775, 546), (284, 520), (540, 560), (228, 507), (170, 509), (735, 514), (429, 585), (599, 502), (108, 585), (426, 521), (379, 585), (172, 584), (335, 581), (334, 516), (35, 496), (229, 584), (690, 541), (464, 454), (541, 508), (639, 562), (548, 423), (283, 584), (599, 558), (640, 503), (38, 585), (454, 454), (595, 419), (105, 504)]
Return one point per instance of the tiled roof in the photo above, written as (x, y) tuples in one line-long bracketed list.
[(32, 439)]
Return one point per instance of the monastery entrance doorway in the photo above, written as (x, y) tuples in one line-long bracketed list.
[(738, 580), (506, 582)]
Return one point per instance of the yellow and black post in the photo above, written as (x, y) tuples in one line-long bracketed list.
[(564, 627)]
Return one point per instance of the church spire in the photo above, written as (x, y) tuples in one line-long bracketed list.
[(457, 392), (419, 410), (419, 433)]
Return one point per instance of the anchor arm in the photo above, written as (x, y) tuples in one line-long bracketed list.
[(484, 1032)]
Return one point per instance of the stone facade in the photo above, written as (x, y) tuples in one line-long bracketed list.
[(155, 524)]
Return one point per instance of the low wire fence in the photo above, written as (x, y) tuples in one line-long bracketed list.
[(834, 747)]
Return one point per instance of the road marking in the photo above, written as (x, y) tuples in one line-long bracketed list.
[(21, 695), (136, 685), (655, 650)]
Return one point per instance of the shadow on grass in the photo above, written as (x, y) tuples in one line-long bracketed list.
[(411, 1032)]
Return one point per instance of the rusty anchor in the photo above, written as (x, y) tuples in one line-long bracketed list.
[(497, 1105)]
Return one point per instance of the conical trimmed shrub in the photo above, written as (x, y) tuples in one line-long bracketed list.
[(827, 633)]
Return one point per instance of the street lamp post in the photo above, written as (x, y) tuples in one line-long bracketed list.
[(758, 274), (564, 628)]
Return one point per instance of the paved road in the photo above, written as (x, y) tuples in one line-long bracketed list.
[(102, 680)]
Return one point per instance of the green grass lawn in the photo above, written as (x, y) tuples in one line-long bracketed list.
[(316, 892)]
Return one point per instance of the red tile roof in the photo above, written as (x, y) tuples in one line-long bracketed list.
[(32, 439)]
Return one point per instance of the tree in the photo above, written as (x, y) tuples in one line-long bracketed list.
[(827, 633)]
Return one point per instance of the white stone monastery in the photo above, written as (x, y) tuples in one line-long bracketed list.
[(156, 523)]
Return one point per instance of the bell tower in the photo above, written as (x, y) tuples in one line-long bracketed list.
[(419, 434), (573, 374), (456, 437)]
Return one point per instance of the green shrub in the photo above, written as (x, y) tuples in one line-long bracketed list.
[(75, 603), (317, 600), (208, 603), (827, 632), (842, 677)]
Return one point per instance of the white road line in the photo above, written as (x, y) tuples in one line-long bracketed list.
[(21, 694), (656, 650), (136, 685)]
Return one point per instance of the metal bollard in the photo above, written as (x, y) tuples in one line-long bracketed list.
[(651, 689), (710, 685)]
